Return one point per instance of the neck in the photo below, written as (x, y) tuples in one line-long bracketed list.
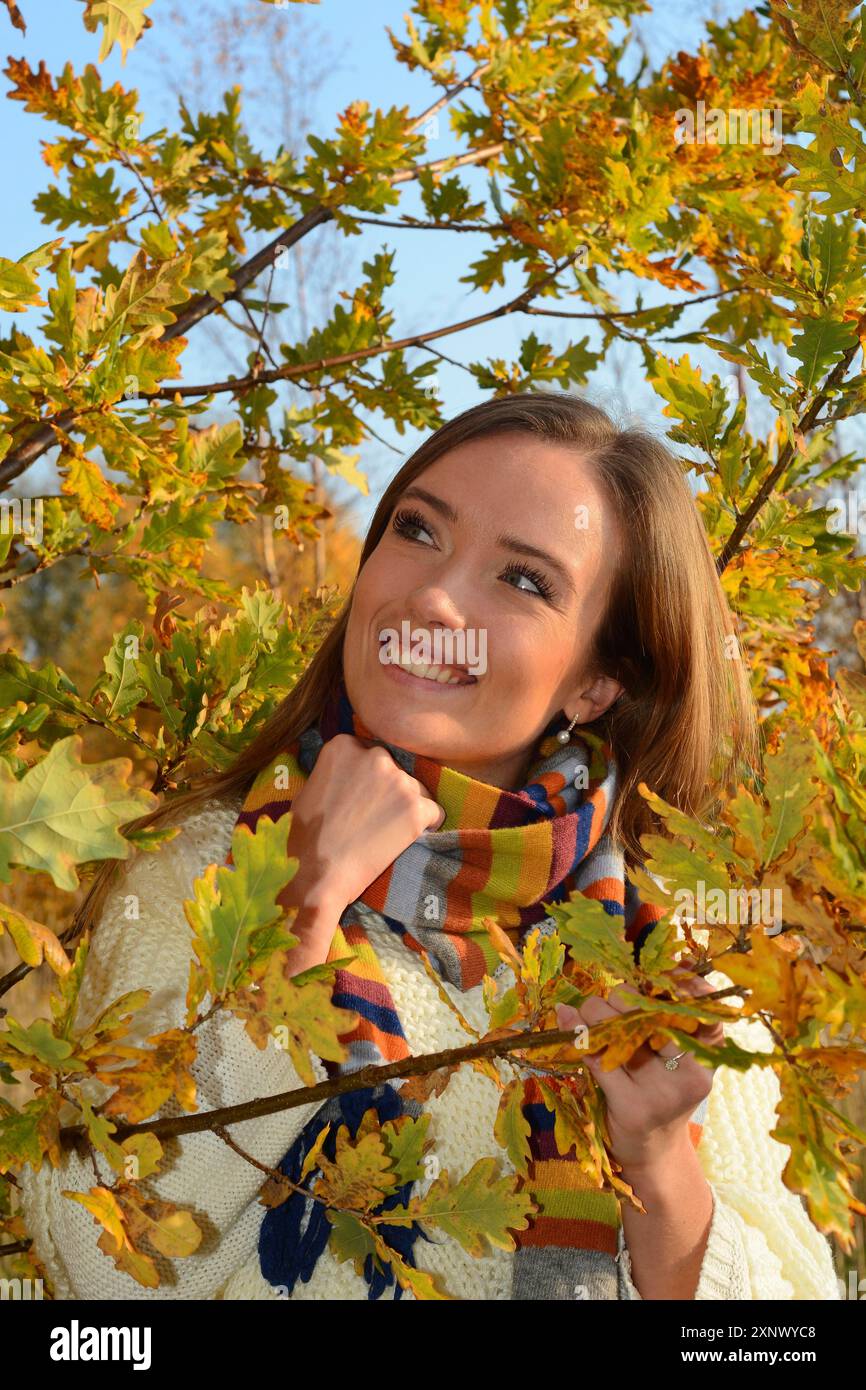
[(508, 773)]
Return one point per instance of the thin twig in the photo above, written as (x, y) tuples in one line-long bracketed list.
[(404, 225), (19, 1247), (448, 96), (633, 313), (786, 456)]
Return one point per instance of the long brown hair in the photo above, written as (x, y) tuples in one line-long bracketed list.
[(686, 722)]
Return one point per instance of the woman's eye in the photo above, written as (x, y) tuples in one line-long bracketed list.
[(404, 522), (542, 587), (512, 575)]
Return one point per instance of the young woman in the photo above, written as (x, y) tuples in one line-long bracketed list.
[(569, 557)]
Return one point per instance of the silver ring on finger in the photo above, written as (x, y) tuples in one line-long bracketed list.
[(671, 1063)]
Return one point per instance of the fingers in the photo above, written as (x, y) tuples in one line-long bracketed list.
[(595, 1010), (567, 1016), (622, 999), (642, 1094), (617, 1084), (712, 1034), (436, 820)]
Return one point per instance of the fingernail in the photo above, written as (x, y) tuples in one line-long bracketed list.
[(567, 1016)]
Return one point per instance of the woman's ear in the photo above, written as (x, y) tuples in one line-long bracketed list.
[(596, 698)]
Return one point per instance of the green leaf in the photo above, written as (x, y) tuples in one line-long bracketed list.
[(28, 1135), (349, 1238), (99, 1131), (159, 687), (511, 1128), (122, 685), (19, 288), (404, 1141), (828, 245), (479, 1211), (145, 297), (231, 906), (64, 812), (769, 382), (123, 22), (790, 787), (64, 1001), (819, 346), (593, 935), (700, 406), (37, 1043)]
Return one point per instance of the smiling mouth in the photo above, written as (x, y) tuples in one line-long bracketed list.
[(438, 675)]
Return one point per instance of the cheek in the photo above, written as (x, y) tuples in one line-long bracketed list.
[(543, 658), (541, 645), (386, 574), (371, 588)]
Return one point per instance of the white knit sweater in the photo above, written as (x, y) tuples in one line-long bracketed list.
[(761, 1245)]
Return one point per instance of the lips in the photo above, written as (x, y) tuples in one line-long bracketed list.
[(399, 659), (448, 678)]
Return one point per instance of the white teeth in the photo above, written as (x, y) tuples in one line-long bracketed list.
[(440, 674)]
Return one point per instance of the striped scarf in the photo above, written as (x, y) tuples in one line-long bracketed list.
[(500, 853)]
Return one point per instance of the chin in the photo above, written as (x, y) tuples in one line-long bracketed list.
[(408, 729)]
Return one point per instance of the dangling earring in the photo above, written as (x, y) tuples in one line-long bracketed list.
[(564, 735)]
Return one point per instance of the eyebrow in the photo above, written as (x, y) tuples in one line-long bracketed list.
[(504, 541)]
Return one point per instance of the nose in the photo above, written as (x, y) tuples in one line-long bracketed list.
[(434, 605)]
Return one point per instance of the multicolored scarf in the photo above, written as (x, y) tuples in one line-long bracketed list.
[(499, 853)]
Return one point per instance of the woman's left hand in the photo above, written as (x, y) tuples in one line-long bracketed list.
[(648, 1107)]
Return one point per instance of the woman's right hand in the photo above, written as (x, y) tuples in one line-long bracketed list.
[(356, 812)]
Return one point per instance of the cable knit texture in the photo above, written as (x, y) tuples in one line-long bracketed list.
[(761, 1245)]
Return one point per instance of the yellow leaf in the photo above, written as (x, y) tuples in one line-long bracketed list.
[(299, 1017), (95, 497), (124, 23), (146, 1150), (817, 1167), (159, 1075), (312, 1157), (360, 1175), (418, 1281), (33, 941), (503, 943), (511, 1127), (166, 1228), (790, 989)]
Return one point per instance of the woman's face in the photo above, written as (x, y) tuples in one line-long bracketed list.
[(526, 639)]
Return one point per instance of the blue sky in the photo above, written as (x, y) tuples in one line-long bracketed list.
[(428, 264)]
